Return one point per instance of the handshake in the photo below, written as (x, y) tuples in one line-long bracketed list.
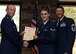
[(25, 42)]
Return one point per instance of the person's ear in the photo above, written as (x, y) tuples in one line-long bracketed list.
[(49, 14)]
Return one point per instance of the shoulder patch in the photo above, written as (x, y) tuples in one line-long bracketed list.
[(73, 27)]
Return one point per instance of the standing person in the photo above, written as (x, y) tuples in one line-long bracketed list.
[(65, 32), (46, 34), (11, 42)]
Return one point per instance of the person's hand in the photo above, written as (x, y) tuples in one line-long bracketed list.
[(35, 37), (25, 44), (22, 33)]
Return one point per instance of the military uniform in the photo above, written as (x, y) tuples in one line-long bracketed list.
[(11, 42), (65, 35), (46, 38)]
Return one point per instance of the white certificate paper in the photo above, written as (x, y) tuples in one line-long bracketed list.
[(29, 33)]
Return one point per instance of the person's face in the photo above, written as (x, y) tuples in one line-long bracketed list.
[(44, 15), (11, 10), (59, 12)]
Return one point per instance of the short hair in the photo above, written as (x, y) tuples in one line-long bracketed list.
[(45, 8), (9, 5), (60, 7)]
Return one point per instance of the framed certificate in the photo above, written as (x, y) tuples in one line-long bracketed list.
[(29, 33)]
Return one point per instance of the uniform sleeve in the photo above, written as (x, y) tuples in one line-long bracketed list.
[(70, 35), (11, 34)]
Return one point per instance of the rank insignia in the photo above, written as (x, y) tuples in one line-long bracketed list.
[(52, 29), (63, 24), (73, 27)]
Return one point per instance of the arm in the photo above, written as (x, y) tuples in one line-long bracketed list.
[(70, 36), (11, 34)]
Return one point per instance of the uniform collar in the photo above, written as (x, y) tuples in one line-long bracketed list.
[(45, 22), (9, 17), (61, 18)]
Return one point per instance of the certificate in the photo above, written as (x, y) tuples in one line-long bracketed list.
[(29, 33)]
